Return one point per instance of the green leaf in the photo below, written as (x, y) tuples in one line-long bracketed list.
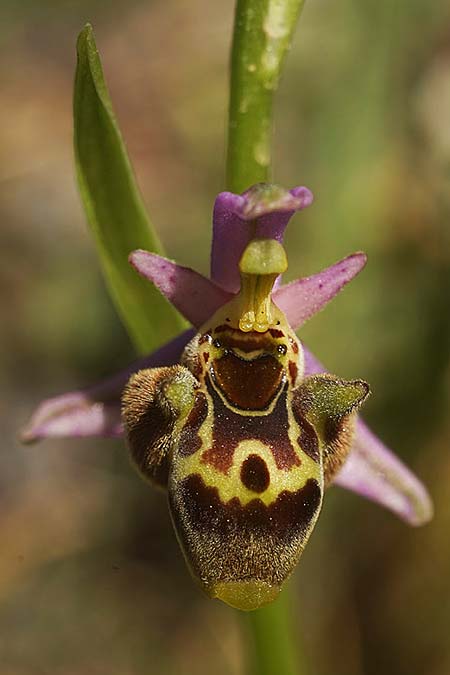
[(113, 204)]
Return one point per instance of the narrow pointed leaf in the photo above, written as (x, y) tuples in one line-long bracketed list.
[(113, 204)]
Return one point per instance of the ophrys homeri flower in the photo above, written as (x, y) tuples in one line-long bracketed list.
[(235, 418)]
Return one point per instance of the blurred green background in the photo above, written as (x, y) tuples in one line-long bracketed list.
[(91, 578)]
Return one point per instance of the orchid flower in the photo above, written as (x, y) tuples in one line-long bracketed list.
[(263, 211)]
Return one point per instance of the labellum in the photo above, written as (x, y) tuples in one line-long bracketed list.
[(242, 441)]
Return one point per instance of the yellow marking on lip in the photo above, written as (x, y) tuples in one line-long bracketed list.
[(230, 485), (245, 595)]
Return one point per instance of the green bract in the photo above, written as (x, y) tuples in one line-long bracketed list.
[(113, 204)]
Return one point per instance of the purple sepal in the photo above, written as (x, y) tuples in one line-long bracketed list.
[(198, 298), (375, 473), (192, 294), (262, 211), (312, 365), (303, 298), (95, 411)]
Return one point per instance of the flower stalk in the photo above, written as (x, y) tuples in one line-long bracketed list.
[(263, 31), (271, 638), (262, 36)]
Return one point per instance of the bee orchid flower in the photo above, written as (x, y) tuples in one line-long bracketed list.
[(238, 361)]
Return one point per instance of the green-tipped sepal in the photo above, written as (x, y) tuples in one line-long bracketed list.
[(329, 405)]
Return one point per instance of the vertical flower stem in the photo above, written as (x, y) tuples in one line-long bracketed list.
[(263, 32), (271, 640)]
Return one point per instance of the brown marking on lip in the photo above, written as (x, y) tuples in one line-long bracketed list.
[(232, 542), (244, 341), (290, 509), (196, 367), (206, 357), (293, 370), (206, 337), (230, 428), (255, 474), (223, 327), (255, 342), (190, 441), (275, 333), (308, 440), (248, 384), (294, 345)]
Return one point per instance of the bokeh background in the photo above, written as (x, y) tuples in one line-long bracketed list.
[(91, 579)]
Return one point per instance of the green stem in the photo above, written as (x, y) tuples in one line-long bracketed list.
[(262, 36), (263, 31), (271, 638)]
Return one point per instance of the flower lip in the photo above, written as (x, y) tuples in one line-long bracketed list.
[(262, 211)]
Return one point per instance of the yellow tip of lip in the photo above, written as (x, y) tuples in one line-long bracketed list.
[(246, 595)]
